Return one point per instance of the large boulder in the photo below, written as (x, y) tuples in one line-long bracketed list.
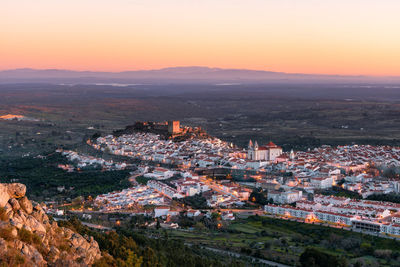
[(31, 253), (35, 225), (16, 190), (26, 205), (4, 196), (53, 254), (8, 210), (8, 191), (17, 221), (14, 204)]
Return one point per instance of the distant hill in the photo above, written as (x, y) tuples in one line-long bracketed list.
[(179, 75)]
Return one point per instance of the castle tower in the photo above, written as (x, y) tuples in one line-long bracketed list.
[(256, 146), (173, 127)]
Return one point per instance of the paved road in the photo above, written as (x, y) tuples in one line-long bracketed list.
[(217, 188)]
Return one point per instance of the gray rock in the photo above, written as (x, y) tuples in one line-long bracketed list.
[(14, 204), (16, 190), (40, 215), (8, 191), (35, 225), (26, 205), (14, 232), (9, 211), (53, 254), (7, 207), (4, 196), (38, 258), (17, 221)]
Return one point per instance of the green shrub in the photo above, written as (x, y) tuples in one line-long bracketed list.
[(25, 235), (63, 247), (11, 258), (28, 237), (36, 239), (6, 234)]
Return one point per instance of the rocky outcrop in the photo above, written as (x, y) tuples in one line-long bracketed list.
[(27, 234), (8, 191)]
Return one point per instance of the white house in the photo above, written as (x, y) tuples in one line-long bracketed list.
[(285, 197), (321, 182), (161, 211)]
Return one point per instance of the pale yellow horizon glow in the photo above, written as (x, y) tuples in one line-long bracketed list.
[(353, 37)]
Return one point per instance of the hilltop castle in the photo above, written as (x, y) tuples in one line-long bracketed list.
[(168, 129), (268, 152)]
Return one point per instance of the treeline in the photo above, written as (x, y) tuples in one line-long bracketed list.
[(390, 172), (127, 248), (339, 192), (391, 197), (196, 201), (314, 257)]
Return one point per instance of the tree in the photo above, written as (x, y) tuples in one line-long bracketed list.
[(312, 257), (367, 248), (96, 135), (149, 258), (133, 260), (259, 196), (199, 226), (215, 216)]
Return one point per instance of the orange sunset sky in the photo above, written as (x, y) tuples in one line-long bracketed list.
[(302, 36)]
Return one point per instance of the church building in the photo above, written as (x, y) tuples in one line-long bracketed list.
[(268, 152)]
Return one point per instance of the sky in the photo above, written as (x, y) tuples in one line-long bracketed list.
[(352, 37)]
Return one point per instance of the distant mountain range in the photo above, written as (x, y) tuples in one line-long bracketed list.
[(180, 75)]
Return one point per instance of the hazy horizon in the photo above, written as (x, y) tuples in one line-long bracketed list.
[(194, 67), (309, 36), (190, 75)]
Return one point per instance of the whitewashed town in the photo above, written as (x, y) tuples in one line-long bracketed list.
[(293, 182)]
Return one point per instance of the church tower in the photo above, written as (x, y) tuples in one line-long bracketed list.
[(250, 151), (250, 145), (291, 156), (256, 151)]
